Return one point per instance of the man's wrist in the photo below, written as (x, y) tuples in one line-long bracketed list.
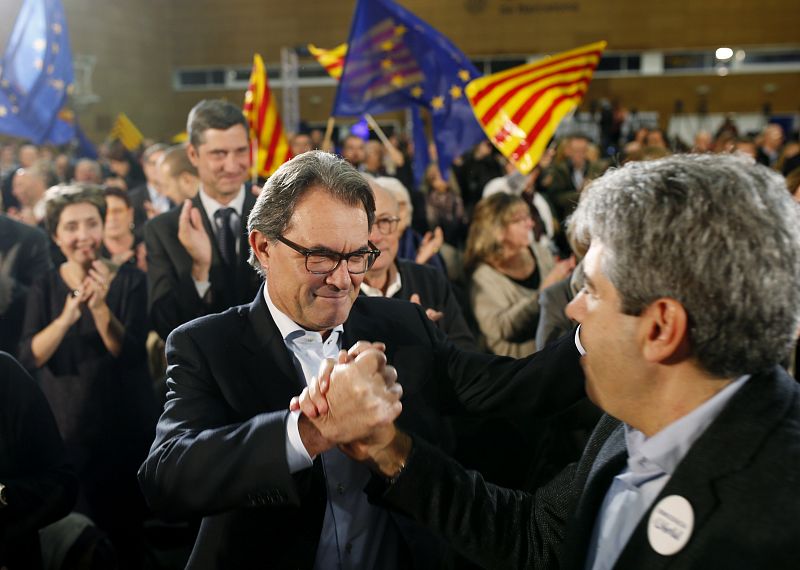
[(312, 438), (200, 271), (390, 460)]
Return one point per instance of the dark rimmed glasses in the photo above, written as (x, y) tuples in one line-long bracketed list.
[(322, 261), (387, 225)]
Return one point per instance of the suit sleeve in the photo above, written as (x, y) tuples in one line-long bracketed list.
[(43, 487), (173, 298), (490, 525), (202, 462)]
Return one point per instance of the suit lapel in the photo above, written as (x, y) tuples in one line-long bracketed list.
[(268, 364), (726, 447), (607, 464)]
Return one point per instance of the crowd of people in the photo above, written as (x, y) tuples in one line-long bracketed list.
[(164, 282)]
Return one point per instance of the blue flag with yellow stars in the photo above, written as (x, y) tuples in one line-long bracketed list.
[(35, 73), (395, 60)]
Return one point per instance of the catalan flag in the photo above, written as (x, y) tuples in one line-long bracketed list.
[(331, 59), (126, 132), (265, 123), (520, 108)]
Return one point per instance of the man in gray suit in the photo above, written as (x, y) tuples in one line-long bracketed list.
[(690, 301)]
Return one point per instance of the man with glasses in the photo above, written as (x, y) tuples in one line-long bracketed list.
[(404, 279), (272, 488)]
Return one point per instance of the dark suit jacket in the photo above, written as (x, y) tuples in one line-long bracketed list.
[(30, 250), (740, 477), (172, 296), (220, 445), (138, 196), (40, 484)]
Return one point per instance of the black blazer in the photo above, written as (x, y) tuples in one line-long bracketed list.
[(172, 296), (220, 445), (740, 477), (24, 255), (40, 484)]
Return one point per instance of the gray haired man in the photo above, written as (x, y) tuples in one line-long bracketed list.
[(691, 301)]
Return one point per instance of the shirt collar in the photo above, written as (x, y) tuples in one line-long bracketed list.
[(289, 329), (391, 290), (666, 449), (211, 206)]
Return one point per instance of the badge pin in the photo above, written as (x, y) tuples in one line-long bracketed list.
[(670, 525)]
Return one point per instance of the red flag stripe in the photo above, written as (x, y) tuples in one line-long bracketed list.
[(277, 133), (534, 67), (543, 121), (495, 108)]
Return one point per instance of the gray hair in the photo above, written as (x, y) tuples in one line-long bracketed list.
[(717, 233), (213, 114), (397, 189), (274, 208)]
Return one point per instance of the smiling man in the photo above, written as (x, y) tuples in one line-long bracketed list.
[(197, 253), (691, 301), (273, 489)]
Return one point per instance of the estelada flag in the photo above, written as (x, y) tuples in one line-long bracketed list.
[(520, 108), (126, 132), (331, 59), (265, 123)]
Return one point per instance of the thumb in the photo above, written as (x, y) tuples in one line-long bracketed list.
[(415, 299)]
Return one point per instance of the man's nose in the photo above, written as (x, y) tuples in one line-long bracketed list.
[(339, 277), (576, 309)]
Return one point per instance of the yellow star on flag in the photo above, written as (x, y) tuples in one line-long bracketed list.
[(14, 109), (3, 111), (416, 92), (400, 30), (464, 75), (57, 84), (386, 64), (437, 102), (387, 45), (55, 48), (39, 44), (56, 28), (38, 64), (397, 81), (455, 92), (50, 69)]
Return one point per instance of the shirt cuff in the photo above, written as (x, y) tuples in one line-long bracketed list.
[(296, 455), (578, 345), (202, 287)]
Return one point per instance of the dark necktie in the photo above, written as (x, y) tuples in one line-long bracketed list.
[(225, 236)]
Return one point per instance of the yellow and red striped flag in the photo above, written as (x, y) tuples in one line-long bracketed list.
[(265, 123), (520, 108), (331, 59)]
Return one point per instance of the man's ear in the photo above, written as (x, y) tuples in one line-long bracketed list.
[(260, 246), (665, 331), (193, 155)]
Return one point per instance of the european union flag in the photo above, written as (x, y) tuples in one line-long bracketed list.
[(35, 73), (395, 60)]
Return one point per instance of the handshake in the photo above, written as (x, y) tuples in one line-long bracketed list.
[(353, 403)]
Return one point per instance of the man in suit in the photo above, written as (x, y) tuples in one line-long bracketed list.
[(197, 254), (272, 488), (148, 199), (24, 255), (683, 321)]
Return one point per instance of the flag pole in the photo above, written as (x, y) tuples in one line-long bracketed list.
[(327, 143), (395, 154), (254, 177)]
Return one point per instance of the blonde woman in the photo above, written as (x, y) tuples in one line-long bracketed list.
[(508, 269)]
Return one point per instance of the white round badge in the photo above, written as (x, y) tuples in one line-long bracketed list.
[(670, 525)]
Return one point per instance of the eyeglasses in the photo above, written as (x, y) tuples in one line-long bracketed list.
[(320, 262), (387, 225)]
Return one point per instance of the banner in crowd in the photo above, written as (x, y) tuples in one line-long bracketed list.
[(331, 59), (35, 75), (394, 61), (126, 132), (266, 128), (520, 108)]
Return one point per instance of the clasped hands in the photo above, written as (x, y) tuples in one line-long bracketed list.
[(354, 401)]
